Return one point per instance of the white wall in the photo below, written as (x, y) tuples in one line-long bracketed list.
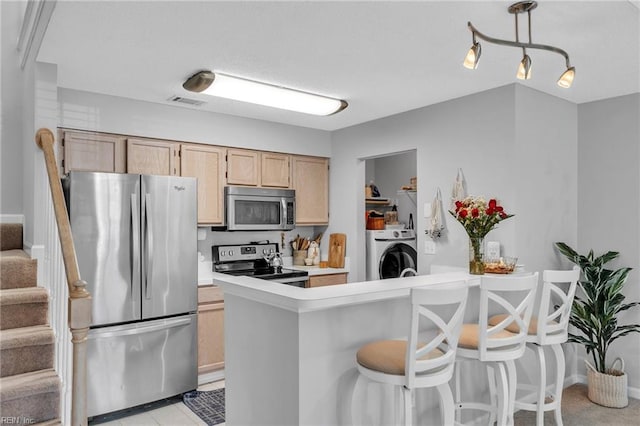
[(501, 139), (93, 111), (609, 203)]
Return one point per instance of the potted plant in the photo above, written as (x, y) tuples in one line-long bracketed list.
[(594, 314)]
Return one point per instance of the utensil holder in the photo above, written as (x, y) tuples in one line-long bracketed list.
[(299, 256)]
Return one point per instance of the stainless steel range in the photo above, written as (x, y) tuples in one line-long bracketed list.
[(257, 260)]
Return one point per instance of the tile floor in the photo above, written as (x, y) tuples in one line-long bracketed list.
[(172, 414)]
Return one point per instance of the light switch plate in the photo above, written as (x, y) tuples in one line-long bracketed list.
[(429, 247), (427, 209), (492, 250)]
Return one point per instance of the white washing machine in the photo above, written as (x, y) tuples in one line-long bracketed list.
[(390, 252)]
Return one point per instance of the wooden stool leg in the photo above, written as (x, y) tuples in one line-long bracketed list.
[(503, 394), (542, 385), (446, 404), (491, 376), (406, 393), (513, 383), (559, 385)]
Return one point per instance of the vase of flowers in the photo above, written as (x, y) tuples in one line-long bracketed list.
[(478, 217)]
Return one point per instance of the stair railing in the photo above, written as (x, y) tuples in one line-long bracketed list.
[(79, 307)]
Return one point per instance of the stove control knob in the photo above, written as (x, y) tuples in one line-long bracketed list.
[(222, 253), (230, 252), (395, 234), (264, 251)]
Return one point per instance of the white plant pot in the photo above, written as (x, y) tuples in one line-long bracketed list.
[(609, 390)]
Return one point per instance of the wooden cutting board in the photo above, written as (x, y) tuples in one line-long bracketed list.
[(337, 250)]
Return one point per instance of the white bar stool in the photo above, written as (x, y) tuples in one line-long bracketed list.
[(548, 329), (514, 297), (412, 364)]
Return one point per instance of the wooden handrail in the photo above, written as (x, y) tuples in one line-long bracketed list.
[(79, 298)]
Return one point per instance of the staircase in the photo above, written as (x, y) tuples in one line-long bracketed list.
[(29, 386)]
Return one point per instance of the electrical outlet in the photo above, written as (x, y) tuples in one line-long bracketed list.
[(429, 247)]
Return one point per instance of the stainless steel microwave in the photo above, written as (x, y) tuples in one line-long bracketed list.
[(259, 209)]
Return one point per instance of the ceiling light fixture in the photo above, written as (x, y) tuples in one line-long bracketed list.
[(241, 89), (524, 69)]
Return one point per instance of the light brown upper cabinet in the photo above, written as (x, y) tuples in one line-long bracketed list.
[(243, 167), (93, 152), (310, 179), (153, 157), (275, 170), (207, 164)]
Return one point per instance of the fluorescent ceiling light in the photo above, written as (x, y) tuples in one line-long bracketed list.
[(240, 89)]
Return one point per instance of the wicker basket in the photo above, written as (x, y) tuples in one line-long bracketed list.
[(609, 390)]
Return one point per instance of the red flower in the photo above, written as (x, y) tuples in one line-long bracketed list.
[(499, 208), (463, 213), (490, 211), (475, 212), (493, 203), (503, 215)]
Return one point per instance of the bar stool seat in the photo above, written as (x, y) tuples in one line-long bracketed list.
[(410, 364)]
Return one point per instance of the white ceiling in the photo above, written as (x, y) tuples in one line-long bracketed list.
[(382, 57)]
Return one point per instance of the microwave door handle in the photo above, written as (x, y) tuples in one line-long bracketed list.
[(284, 212), (135, 243), (149, 245)]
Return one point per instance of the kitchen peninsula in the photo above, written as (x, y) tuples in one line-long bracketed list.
[(290, 352)]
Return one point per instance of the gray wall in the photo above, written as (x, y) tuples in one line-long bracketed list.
[(92, 111), (512, 143), (609, 202), (11, 102)]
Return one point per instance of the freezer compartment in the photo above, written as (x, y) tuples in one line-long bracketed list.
[(138, 363)]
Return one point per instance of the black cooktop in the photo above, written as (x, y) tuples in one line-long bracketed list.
[(267, 273)]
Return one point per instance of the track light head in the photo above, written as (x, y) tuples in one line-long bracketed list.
[(524, 69), (473, 55), (566, 79)]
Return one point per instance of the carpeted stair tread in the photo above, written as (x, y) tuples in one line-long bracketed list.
[(17, 269), (23, 307), (10, 236), (34, 396), (26, 349)]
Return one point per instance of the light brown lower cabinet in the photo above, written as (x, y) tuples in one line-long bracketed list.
[(210, 329), (330, 279)]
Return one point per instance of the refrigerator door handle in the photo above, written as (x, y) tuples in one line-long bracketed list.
[(149, 245), (97, 334), (135, 243)]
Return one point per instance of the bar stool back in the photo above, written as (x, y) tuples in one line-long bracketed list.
[(413, 363), (513, 297), (548, 328)]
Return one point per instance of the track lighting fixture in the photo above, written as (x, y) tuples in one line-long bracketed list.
[(241, 89), (524, 69)]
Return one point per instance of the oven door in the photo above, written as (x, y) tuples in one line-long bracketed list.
[(256, 213)]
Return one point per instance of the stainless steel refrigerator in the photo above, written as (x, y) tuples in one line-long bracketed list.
[(136, 244)]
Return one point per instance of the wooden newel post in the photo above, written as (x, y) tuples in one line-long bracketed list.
[(79, 307)]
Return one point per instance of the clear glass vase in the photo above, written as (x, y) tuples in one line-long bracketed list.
[(476, 255)]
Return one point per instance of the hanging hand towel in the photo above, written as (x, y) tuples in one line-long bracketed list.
[(458, 192), (437, 219)]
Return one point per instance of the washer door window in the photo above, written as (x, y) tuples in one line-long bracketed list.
[(395, 259)]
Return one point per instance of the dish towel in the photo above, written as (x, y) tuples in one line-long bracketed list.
[(437, 220), (459, 191)]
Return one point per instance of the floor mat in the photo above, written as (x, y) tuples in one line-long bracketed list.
[(208, 405)]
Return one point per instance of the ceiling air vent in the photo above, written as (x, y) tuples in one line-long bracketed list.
[(186, 101)]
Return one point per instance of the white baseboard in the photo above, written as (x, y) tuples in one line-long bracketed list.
[(214, 376), (12, 218)]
